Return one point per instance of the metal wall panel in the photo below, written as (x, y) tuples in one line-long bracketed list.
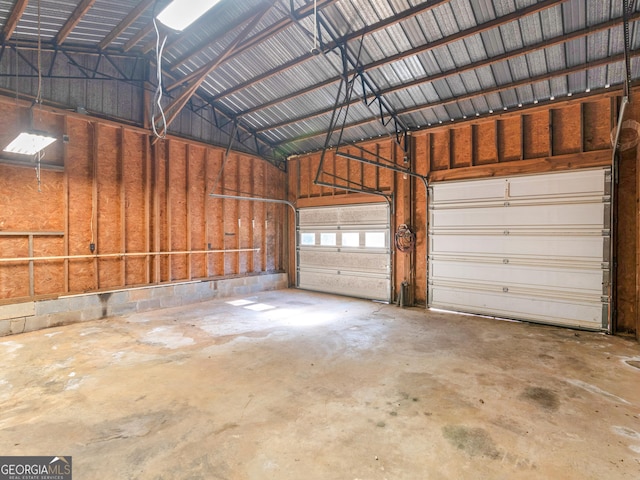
[(360, 270), (531, 247)]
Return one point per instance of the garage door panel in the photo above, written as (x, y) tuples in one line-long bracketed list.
[(587, 247), (514, 216), (356, 285), (542, 309), (352, 260), (584, 183), (540, 253), (474, 192), (551, 278)]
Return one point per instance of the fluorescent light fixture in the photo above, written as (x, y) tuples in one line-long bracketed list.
[(29, 143), (179, 14)]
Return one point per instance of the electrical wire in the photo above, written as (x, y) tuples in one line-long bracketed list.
[(38, 101), (405, 239), (157, 100), (39, 94), (627, 9)]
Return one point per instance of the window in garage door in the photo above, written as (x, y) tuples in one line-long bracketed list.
[(530, 247), (345, 250)]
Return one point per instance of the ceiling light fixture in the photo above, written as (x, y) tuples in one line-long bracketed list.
[(30, 143), (179, 14)]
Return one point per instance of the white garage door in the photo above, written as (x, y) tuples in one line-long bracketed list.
[(531, 247), (345, 250)]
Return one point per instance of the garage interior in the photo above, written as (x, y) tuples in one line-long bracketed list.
[(365, 239)]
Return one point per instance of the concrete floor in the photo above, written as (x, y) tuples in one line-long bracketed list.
[(295, 385)]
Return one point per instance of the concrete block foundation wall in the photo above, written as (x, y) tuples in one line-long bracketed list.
[(40, 314)]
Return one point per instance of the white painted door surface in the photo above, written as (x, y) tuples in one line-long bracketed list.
[(345, 250), (529, 247)]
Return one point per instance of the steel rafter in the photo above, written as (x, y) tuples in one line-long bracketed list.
[(497, 89), (536, 8), (561, 39)]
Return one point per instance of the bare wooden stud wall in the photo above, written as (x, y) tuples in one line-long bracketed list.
[(109, 186)]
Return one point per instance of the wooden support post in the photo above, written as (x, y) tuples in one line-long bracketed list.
[(147, 206), (156, 212), (168, 202), (32, 281), (206, 207), (123, 211), (188, 201), (239, 225), (496, 140), (551, 132), (582, 149), (65, 159), (474, 144), (252, 180), (522, 137), (94, 201)]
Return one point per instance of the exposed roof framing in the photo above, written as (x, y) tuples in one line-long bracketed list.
[(249, 68), (193, 81), (126, 23), (12, 22), (334, 44), (453, 72), (82, 8)]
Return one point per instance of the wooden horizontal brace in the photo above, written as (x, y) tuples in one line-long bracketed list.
[(600, 158), (119, 255)]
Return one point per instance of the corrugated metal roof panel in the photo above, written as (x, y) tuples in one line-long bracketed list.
[(430, 26), (531, 29), (511, 36), (537, 62), (470, 80), (525, 95), (502, 73), (475, 48), (446, 19), (414, 31), (551, 20), (485, 77), (555, 58), (492, 41), (519, 68), (576, 52), (577, 82), (483, 10), (429, 63), (504, 7), (463, 14), (459, 53), (442, 88), (541, 90), (443, 58)]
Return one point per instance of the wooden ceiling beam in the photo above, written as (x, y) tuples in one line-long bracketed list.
[(14, 17), (126, 23), (80, 11), (133, 41)]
